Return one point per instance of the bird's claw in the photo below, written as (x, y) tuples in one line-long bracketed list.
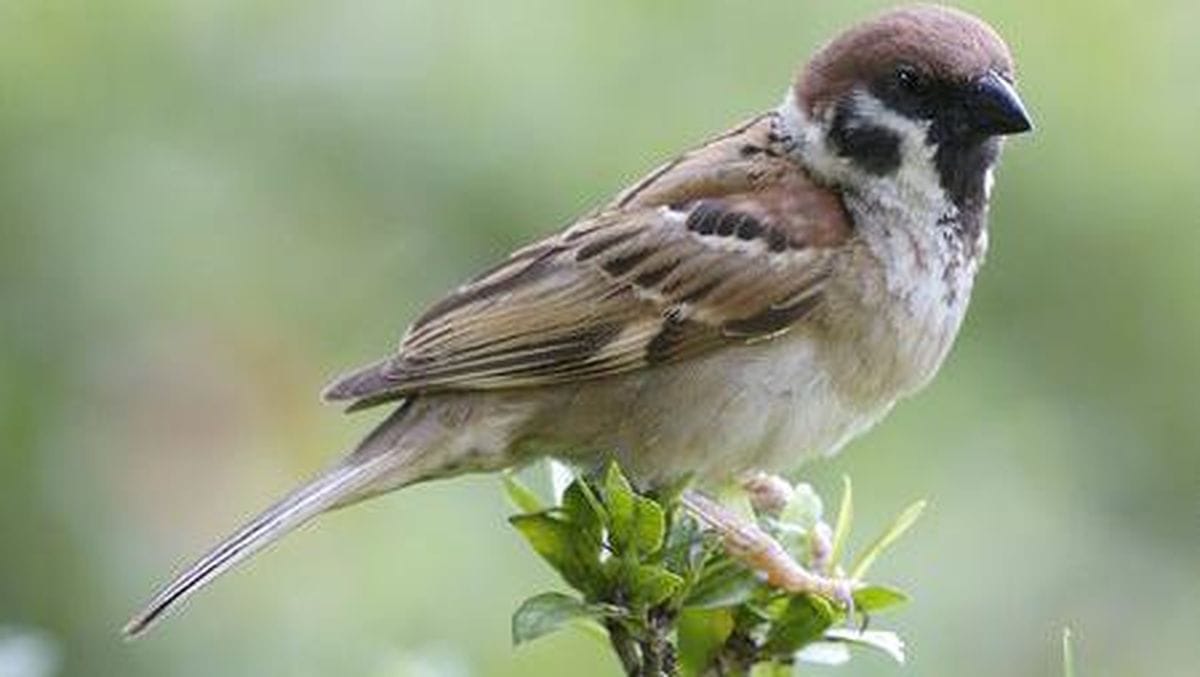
[(768, 494), (758, 550)]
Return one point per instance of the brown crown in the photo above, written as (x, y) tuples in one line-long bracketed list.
[(944, 43)]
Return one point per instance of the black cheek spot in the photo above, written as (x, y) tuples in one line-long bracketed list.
[(874, 149)]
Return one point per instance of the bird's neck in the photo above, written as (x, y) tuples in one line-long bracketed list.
[(932, 193)]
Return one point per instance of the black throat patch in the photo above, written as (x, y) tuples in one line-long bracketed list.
[(961, 160), (962, 166), (963, 156)]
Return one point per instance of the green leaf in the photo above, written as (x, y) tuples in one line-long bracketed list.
[(626, 553), (884, 641), (621, 503), (687, 547), (649, 526), (803, 621), (521, 496), (754, 613), (583, 510), (565, 547), (805, 509), (901, 524), (585, 489), (844, 519), (875, 598), (651, 585), (545, 613), (723, 584), (771, 669), (736, 500), (636, 524), (701, 634)]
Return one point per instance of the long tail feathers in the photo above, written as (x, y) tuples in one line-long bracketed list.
[(335, 486)]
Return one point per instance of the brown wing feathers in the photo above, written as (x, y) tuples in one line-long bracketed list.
[(714, 248)]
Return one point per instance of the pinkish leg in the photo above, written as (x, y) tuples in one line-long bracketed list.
[(769, 494), (747, 542)]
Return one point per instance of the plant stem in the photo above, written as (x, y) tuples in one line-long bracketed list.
[(734, 659), (658, 654), (626, 648)]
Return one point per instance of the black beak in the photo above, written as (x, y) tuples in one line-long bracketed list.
[(994, 107)]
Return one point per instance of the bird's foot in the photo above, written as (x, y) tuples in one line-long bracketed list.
[(750, 544), (768, 494)]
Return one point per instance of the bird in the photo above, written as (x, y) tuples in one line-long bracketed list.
[(752, 304)]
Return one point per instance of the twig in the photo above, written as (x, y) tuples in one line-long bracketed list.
[(626, 647), (658, 653)]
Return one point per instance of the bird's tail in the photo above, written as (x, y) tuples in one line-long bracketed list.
[(359, 474)]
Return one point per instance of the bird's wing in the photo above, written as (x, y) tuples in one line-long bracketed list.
[(730, 243)]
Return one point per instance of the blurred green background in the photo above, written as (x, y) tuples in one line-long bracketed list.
[(209, 207)]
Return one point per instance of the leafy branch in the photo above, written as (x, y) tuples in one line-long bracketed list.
[(674, 602)]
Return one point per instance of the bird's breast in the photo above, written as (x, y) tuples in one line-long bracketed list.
[(896, 305)]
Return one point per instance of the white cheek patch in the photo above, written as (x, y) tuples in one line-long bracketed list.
[(917, 174), (871, 109), (795, 122), (809, 136), (917, 169)]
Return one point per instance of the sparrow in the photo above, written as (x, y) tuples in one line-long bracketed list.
[(754, 303)]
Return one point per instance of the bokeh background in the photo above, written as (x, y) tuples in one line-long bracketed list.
[(209, 207)]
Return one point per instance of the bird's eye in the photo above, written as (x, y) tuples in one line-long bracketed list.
[(910, 80)]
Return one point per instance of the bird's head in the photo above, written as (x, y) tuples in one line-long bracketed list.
[(922, 91)]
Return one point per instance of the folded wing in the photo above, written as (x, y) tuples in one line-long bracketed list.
[(730, 243)]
